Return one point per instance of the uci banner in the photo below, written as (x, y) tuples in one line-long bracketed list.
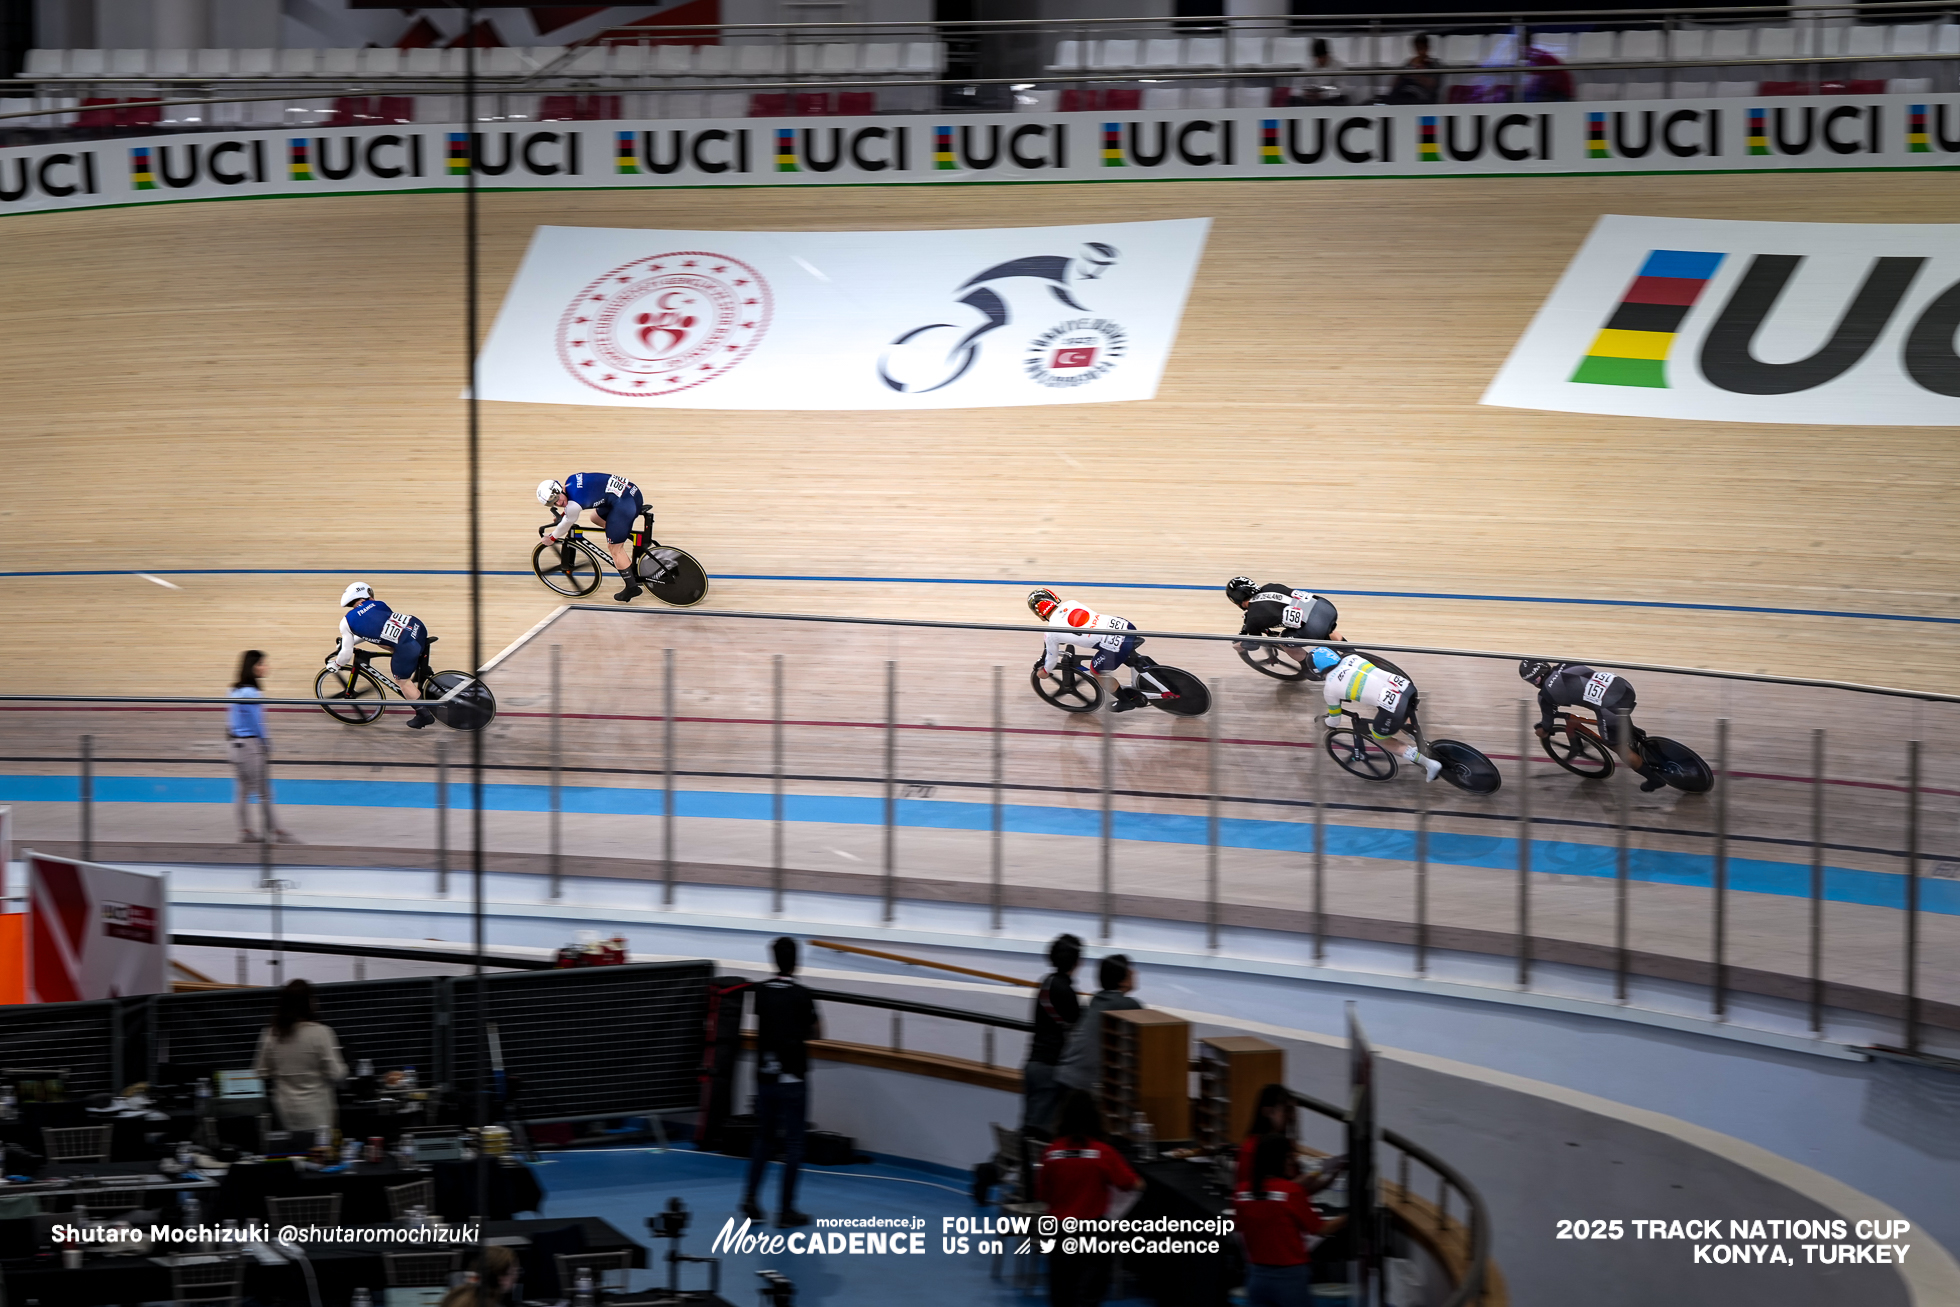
[(1682, 135), (1841, 323), (988, 318)]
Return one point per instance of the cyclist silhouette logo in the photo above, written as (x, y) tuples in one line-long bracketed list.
[(934, 356), (664, 323)]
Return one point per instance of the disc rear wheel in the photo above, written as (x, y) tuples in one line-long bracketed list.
[(676, 578), (472, 710), (1174, 690), (1681, 766), (1466, 768)]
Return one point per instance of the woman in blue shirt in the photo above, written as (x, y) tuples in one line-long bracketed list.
[(251, 751)]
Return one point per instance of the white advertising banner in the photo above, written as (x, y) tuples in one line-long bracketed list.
[(1799, 322), (1753, 134), (97, 932), (990, 318)]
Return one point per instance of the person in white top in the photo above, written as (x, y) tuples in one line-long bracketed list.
[(1354, 683), (1085, 628), (299, 1060)]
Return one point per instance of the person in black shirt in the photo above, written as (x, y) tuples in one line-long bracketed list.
[(786, 1022), (1278, 609), (1056, 1009), (1575, 685)]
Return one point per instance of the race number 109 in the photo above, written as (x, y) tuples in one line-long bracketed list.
[(1591, 1230)]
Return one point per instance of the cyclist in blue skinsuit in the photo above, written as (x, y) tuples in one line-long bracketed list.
[(613, 500), (373, 621)]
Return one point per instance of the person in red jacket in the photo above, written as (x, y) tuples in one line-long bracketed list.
[(1079, 1171), (1275, 1223), (1275, 1114)]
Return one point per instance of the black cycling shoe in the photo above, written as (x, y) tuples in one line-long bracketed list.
[(753, 1210), (789, 1217), (423, 717), (1652, 783), (1127, 698), (631, 592)]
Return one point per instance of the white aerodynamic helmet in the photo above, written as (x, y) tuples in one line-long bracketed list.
[(549, 490), (356, 592)]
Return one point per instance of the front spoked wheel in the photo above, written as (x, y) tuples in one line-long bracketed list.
[(1466, 768), (1578, 753), (1174, 690), (1679, 765), (349, 694), (673, 576), (1271, 660), (566, 568), (472, 710), (1359, 756), (1072, 687)]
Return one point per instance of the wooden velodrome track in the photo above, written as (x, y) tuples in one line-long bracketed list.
[(272, 385), (256, 402)]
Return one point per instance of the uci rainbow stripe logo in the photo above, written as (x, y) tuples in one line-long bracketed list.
[(1631, 349)]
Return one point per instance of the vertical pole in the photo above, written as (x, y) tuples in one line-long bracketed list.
[(557, 797), (1912, 896), (1524, 844), (996, 869), (442, 818), (667, 776), (266, 833), (1318, 767), (1211, 821), (479, 935), (1105, 871), (1620, 867), (1422, 878), (1721, 940), (776, 783), (278, 931), (1817, 880), (891, 788), (88, 798)]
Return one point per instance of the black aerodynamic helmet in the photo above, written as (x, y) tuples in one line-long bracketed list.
[(1538, 671), (1240, 589)]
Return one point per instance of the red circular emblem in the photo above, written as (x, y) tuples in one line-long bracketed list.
[(664, 323)]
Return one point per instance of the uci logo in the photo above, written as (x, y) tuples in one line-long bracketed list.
[(1798, 322)]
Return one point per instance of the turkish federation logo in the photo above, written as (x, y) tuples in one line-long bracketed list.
[(664, 323), (1075, 353)]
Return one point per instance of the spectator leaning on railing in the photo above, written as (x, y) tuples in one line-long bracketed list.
[(1081, 1065), (1056, 1010)]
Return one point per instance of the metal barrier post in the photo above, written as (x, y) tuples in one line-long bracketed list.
[(1319, 770), (1211, 821), (1524, 844), (1817, 879), (266, 832), (1721, 941), (995, 868), (442, 818), (667, 777), (1105, 883), (891, 788), (1912, 896), (1422, 878), (776, 784), (1620, 868), (557, 802), (88, 798)]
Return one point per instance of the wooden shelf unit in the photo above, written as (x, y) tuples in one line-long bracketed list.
[(1146, 1067), (1232, 1069)]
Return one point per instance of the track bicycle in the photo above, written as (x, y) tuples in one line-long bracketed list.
[(356, 695), (1578, 744), (1359, 754), (1272, 660), (575, 567), (1074, 688)]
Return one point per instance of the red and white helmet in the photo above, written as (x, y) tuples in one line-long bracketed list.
[(1042, 602)]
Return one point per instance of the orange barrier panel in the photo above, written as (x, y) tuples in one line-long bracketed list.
[(13, 957)]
